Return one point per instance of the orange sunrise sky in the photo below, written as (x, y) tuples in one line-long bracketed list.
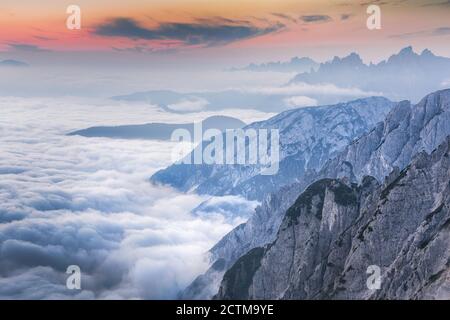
[(270, 28)]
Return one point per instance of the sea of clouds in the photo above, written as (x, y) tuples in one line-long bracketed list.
[(69, 200)]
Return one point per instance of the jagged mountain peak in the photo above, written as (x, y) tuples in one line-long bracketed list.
[(408, 55), (407, 51), (353, 59), (427, 53)]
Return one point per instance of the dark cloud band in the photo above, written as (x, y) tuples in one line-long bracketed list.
[(212, 32), (315, 18)]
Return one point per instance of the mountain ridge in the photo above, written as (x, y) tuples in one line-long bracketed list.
[(158, 131), (308, 138)]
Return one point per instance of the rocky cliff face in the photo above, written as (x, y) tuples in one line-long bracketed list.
[(336, 230), (308, 138), (407, 130), (389, 146)]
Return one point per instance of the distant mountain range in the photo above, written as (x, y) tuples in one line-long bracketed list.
[(158, 131), (296, 64), (13, 63), (406, 75)]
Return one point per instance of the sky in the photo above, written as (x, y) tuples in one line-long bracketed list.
[(185, 45), (223, 32)]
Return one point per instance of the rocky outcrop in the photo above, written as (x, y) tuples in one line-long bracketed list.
[(336, 230), (407, 130)]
